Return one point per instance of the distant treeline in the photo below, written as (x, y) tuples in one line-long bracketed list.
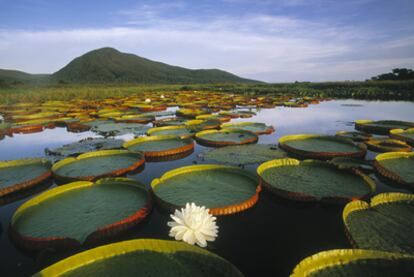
[(397, 74), (369, 90)]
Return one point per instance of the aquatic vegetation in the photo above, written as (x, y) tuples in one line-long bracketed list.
[(245, 154), (313, 180), (221, 189), (70, 215), (150, 256), (225, 137), (321, 147), (385, 224), (19, 175), (106, 129), (193, 224), (155, 147), (406, 135), (351, 163), (387, 145), (381, 127), (355, 262), (257, 128), (355, 136), (84, 146), (396, 167), (180, 130), (97, 164)]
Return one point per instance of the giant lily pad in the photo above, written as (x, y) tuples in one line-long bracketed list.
[(382, 127), (106, 128), (225, 137), (321, 147), (175, 121), (94, 165), (80, 212), (160, 146), (313, 180), (351, 163), (386, 224), (199, 124), (245, 154), (404, 135), (387, 145), (222, 189), (144, 257), (257, 128), (181, 131), (85, 145), (396, 167), (355, 136), (18, 175), (355, 262)]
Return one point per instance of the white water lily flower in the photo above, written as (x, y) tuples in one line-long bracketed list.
[(193, 224), (147, 100), (162, 96)]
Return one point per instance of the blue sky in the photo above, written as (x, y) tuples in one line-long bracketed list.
[(274, 41)]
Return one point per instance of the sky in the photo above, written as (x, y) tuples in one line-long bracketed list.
[(272, 41)]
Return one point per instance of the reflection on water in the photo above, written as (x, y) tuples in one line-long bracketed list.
[(271, 237)]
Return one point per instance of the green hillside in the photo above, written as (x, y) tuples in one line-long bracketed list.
[(108, 65), (20, 77)]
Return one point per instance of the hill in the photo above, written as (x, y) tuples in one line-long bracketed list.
[(108, 65), (19, 77)]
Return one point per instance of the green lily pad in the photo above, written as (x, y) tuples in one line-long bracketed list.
[(158, 146), (225, 137), (80, 209), (355, 262), (382, 127), (93, 165), (144, 257), (387, 145), (105, 128), (404, 135), (176, 121), (396, 167), (85, 145), (321, 147), (199, 124), (351, 163), (257, 128), (313, 180), (181, 131), (386, 224), (19, 175), (355, 136), (245, 154), (222, 189)]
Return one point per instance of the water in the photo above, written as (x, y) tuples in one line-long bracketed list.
[(268, 239)]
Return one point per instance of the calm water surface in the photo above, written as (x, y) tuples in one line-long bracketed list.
[(267, 240)]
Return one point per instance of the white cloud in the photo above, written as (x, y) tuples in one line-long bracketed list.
[(270, 48)]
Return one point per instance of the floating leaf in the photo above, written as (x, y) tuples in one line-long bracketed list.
[(355, 262), (80, 212), (257, 128), (245, 154), (321, 147), (94, 165), (19, 175), (225, 137), (144, 257), (386, 224), (382, 127), (85, 145), (313, 180), (396, 167), (222, 189)]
